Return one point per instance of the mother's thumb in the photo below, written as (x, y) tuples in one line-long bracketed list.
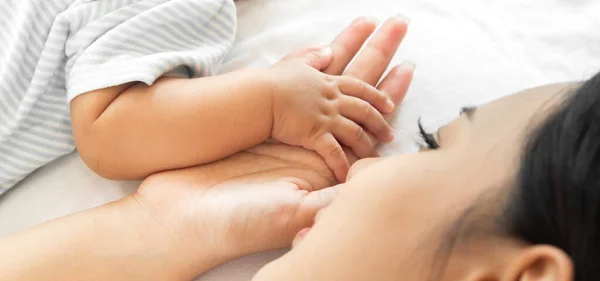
[(319, 58), (320, 199)]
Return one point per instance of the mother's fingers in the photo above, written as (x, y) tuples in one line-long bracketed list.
[(372, 61), (395, 85), (317, 200), (348, 43), (397, 82)]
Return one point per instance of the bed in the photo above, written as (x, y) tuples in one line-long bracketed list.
[(467, 52)]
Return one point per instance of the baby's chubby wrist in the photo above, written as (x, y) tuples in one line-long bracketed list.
[(269, 83), (263, 89)]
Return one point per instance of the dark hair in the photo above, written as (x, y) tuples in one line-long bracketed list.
[(557, 196)]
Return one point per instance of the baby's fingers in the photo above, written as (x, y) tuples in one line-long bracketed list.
[(363, 113), (328, 147), (357, 88), (354, 136)]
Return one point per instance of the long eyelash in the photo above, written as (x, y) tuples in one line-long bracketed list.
[(466, 109), (428, 141)]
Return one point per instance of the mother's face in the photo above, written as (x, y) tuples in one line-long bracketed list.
[(394, 214)]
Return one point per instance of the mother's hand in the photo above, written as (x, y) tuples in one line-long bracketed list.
[(259, 199)]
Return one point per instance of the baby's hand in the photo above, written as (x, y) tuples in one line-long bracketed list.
[(316, 110)]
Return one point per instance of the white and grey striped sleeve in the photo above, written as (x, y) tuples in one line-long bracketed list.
[(144, 40), (53, 50)]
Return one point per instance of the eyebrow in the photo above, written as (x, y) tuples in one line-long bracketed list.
[(469, 111)]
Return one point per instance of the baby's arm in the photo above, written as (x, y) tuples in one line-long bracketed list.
[(133, 130)]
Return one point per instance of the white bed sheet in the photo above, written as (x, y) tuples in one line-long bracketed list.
[(466, 51)]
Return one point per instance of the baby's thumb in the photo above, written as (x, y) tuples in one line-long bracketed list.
[(319, 58)]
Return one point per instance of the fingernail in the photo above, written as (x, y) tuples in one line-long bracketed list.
[(403, 18), (325, 51), (391, 135), (389, 105), (362, 19), (408, 65), (374, 19)]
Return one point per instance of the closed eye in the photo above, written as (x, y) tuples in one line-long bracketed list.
[(428, 141)]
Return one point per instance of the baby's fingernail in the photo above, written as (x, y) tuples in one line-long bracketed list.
[(408, 65), (325, 51), (389, 105), (391, 135)]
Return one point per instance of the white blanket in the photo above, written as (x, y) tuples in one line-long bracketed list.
[(467, 52)]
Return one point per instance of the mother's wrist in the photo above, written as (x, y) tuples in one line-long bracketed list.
[(170, 236)]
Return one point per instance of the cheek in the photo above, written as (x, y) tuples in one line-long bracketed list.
[(360, 165), (362, 236)]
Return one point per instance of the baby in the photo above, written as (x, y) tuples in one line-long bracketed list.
[(140, 78)]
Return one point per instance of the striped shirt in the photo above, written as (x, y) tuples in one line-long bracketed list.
[(53, 50)]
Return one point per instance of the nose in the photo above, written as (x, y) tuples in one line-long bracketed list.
[(361, 164)]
